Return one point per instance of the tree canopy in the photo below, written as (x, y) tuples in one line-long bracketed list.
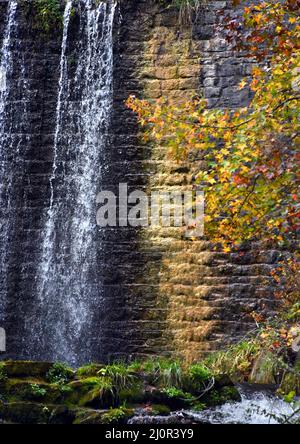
[(251, 155)]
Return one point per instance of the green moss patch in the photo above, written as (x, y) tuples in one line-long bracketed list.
[(26, 368), (88, 370), (98, 394)]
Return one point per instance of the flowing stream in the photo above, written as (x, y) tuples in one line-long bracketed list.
[(258, 406)]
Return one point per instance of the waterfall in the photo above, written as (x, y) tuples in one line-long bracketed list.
[(6, 145), (68, 284)]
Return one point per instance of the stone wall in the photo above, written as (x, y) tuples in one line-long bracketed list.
[(163, 294), (189, 299)]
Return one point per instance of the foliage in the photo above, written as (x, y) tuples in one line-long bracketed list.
[(199, 406), (59, 373), (87, 370), (199, 373), (197, 378), (236, 361), (287, 279), (159, 409), (98, 388), (3, 375), (116, 415), (63, 388), (122, 376), (251, 155), (188, 10), (271, 339), (36, 391), (167, 372), (174, 392), (47, 15)]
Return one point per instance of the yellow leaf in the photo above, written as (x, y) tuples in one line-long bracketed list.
[(211, 180)]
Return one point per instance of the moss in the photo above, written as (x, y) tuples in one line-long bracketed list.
[(46, 15), (88, 370), (221, 396), (213, 398), (196, 378), (163, 372), (199, 373), (112, 416), (160, 409), (3, 374), (88, 417), (59, 373), (133, 394), (198, 406), (26, 368), (29, 390), (290, 383), (34, 413), (97, 392), (229, 394), (117, 416), (264, 368), (121, 375), (176, 398), (61, 415), (25, 413)]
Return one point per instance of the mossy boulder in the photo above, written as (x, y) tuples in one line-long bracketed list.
[(135, 394), (60, 373), (29, 390), (117, 416), (26, 368), (159, 409), (95, 392), (61, 415), (35, 413), (25, 412), (220, 396), (173, 397), (55, 394), (89, 416), (111, 416)]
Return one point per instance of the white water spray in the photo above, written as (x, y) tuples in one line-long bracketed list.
[(68, 288), (6, 66)]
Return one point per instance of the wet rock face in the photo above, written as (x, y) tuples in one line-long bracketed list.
[(160, 293), (182, 297), (27, 157)]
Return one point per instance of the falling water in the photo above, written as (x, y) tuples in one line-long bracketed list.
[(69, 292), (6, 147)]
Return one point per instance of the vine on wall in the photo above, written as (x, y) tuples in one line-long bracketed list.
[(46, 15)]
